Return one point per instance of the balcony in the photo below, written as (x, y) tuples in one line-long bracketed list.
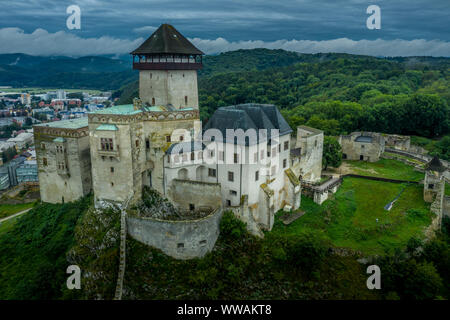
[(109, 153)]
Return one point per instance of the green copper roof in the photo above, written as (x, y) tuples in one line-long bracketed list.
[(107, 127), (124, 109), (66, 124), (59, 139)]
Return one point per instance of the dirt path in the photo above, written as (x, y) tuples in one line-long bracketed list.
[(14, 215)]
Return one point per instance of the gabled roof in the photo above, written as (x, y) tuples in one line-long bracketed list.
[(166, 39), (435, 165), (249, 116)]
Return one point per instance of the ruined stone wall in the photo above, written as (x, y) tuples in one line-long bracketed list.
[(310, 164), (178, 239), (183, 193), (397, 141)]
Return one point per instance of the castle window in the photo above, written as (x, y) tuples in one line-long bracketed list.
[(315, 143), (344, 156), (230, 176), (106, 144), (112, 169), (256, 175), (192, 156), (185, 100), (44, 161), (180, 245), (153, 101), (168, 138), (228, 203), (212, 172), (191, 206), (279, 148), (431, 186), (284, 163), (361, 157), (362, 146), (147, 143), (233, 193), (235, 158), (43, 146), (268, 153), (151, 75), (286, 145), (181, 138), (112, 184), (137, 143)]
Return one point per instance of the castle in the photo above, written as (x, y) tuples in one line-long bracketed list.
[(244, 159)]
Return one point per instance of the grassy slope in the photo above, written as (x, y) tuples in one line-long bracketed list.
[(349, 220), (33, 250), (10, 209), (386, 168)]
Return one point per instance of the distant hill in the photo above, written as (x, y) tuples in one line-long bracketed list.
[(91, 72)]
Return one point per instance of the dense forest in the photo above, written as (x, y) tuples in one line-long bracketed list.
[(337, 93)]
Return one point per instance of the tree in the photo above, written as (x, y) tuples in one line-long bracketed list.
[(332, 152)]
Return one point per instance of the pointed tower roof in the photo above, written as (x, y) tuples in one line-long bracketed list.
[(166, 39), (435, 165)]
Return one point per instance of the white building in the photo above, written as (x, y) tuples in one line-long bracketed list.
[(23, 140)]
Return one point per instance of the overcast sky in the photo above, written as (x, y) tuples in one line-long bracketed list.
[(408, 27)]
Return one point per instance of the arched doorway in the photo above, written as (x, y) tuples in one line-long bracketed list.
[(183, 174), (200, 173)]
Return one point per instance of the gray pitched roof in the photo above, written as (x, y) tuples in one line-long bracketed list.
[(249, 116), (435, 165), (166, 39)]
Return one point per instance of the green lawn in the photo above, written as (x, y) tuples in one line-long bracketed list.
[(349, 220), (9, 209), (386, 168)]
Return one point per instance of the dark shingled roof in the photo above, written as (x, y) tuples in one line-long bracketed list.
[(435, 165), (248, 116), (167, 40)]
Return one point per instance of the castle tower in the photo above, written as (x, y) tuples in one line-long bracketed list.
[(434, 182), (168, 64)]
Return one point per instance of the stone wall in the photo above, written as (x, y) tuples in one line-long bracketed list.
[(359, 150), (183, 193), (310, 141), (397, 141), (178, 239)]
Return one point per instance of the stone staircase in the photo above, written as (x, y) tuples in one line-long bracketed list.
[(123, 240)]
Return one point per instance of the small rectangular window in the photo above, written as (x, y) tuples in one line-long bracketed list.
[(212, 172), (256, 175), (112, 169), (191, 206), (192, 156), (230, 176), (168, 138), (233, 193), (44, 161), (228, 203), (235, 158), (147, 143), (284, 163), (286, 145)]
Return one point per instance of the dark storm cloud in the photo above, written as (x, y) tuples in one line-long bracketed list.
[(242, 21)]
